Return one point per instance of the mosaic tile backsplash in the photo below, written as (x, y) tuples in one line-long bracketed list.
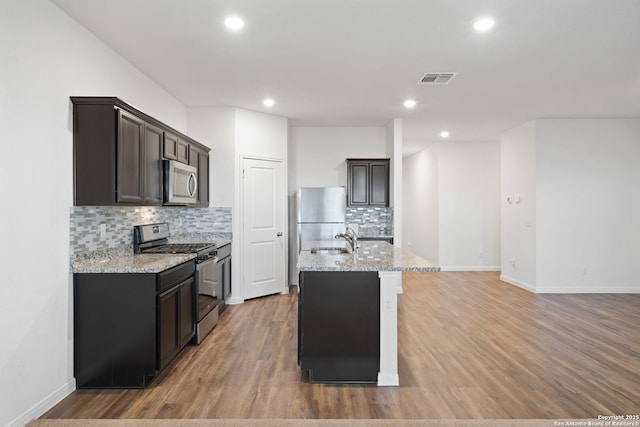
[(119, 222), (371, 221)]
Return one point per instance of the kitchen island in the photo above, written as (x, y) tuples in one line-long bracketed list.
[(347, 312)]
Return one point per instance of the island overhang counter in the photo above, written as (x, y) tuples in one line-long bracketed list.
[(340, 338)]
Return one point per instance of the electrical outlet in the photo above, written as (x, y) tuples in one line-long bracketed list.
[(387, 304), (481, 255), (103, 231)]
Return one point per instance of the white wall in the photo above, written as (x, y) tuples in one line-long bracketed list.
[(47, 57), (588, 205), (469, 205), (452, 205), (232, 134), (518, 235), (420, 214), (215, 127), (318, 154), (263, 136)]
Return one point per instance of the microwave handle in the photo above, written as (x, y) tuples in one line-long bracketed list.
[(192, 177)]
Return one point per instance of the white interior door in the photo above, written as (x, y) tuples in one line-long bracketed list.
[(264, 228)]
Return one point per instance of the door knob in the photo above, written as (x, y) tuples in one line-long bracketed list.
[(279, 234)]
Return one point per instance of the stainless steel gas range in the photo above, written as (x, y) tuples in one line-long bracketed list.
[(209, 298)]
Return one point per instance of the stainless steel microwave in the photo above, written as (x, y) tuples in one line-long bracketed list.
[(180, 183)]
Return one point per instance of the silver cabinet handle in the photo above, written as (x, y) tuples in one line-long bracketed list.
[(192, 177)]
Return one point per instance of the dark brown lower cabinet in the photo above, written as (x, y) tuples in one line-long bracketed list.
[(129, 326), (168, 333), (176, 320), (339, 326)]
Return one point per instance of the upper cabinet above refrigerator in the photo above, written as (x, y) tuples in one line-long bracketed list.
[(368, 182)]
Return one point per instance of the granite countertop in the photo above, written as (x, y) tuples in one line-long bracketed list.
[(371, 256), (131, 263), (121, 259)]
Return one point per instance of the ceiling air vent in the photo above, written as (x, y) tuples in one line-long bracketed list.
[(436, 78)]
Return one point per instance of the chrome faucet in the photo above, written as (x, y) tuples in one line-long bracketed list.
[(350, 236)]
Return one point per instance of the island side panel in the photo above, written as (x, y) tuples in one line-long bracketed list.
[(339, 334), (390, 287)]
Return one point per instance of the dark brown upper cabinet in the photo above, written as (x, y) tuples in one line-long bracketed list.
[(200, 159), (176, 148), (139, 164), (153, 171), (118, 153), (368, 182)]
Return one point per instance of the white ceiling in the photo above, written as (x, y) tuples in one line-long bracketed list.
[(353, 62)]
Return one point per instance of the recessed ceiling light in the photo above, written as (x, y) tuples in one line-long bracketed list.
[(234, 23), (409, 103), (444, 134), (269, 102), (483, 24)]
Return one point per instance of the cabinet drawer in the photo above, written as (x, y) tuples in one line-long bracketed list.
[(175, 275)]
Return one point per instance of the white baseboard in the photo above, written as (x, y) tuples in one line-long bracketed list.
[(523, 285), (596, 290), (235, 300), (388, 379), (571, 290), (45, 404), (471, 268)]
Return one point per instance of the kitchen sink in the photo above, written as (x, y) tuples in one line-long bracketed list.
[(329, 251)]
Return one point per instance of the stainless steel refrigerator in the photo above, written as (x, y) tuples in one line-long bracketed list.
[(320, 214)]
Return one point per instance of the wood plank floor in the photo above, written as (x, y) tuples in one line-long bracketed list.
[(470, 347)]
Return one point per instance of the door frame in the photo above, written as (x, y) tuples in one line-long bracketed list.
[(239, 266)]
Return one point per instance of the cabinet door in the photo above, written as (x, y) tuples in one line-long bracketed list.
[(168, 339), (153, 145), (130, 187), (186, 323), (379, 183), (170, 146), (183, 151), (176, 148), (203, 178), (200, 159), (358, 183)]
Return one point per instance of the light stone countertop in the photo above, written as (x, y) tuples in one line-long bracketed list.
[(130, 263), (371, 256), (121, 259)]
